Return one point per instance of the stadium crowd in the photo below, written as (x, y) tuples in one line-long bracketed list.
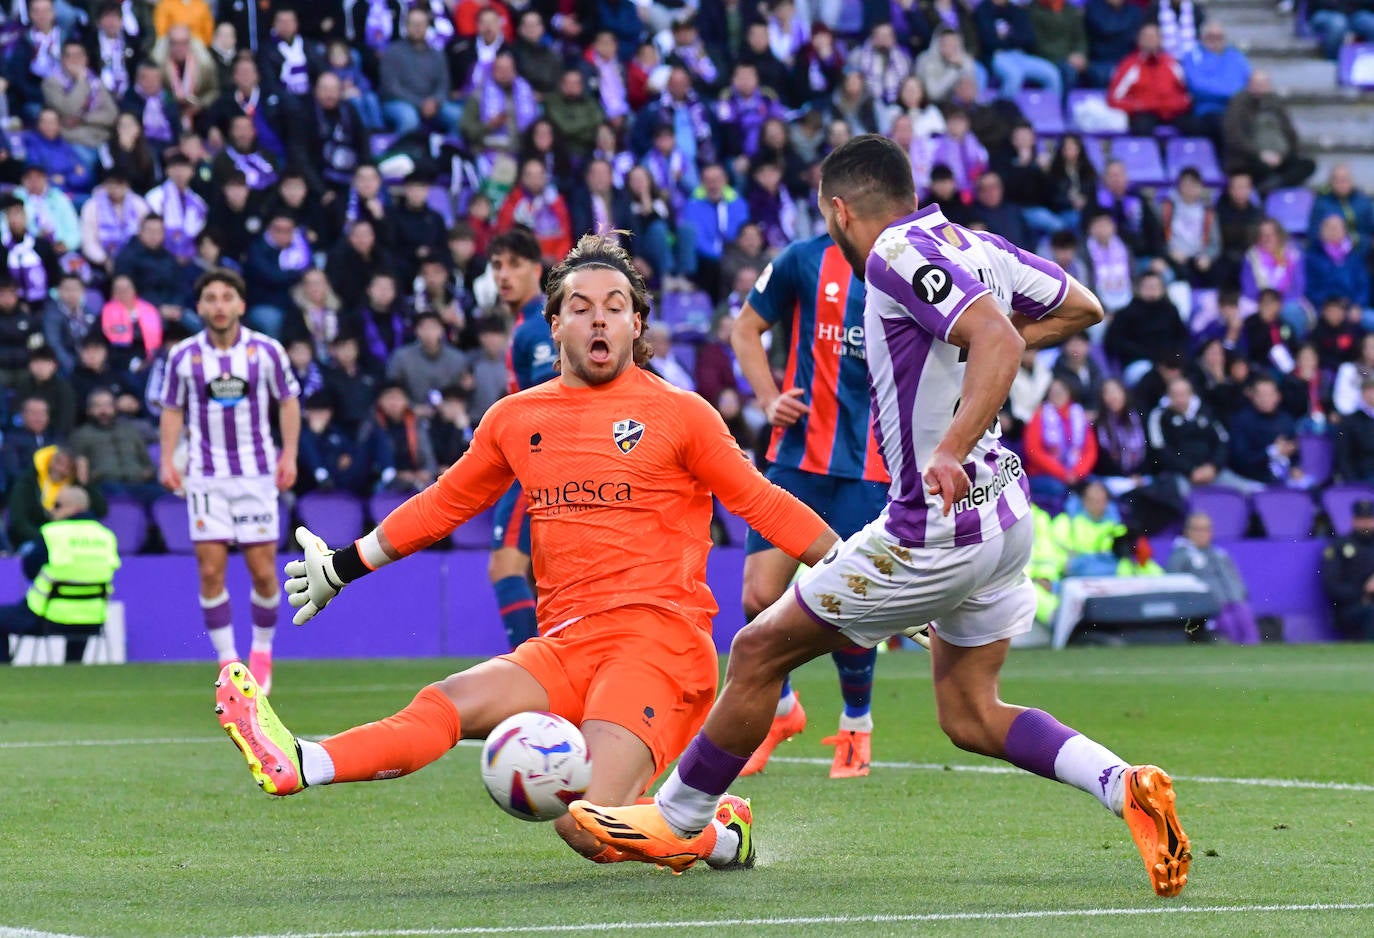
[(354, 158)]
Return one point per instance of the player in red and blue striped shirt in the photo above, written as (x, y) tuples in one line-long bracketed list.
[(822, 450)]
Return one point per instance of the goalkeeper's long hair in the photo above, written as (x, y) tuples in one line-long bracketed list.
[(598, 250)]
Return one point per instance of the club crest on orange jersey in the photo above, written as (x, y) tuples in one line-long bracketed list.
[(627, 434)]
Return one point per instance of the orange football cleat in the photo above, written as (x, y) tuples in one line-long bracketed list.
[(638, 831), (783, 728), (1149, 813), (853, 753)]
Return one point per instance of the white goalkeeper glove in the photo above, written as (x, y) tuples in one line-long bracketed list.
[(311, 581), (920, 634)]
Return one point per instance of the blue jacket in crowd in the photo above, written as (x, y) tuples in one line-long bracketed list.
[(1214, 78), (715, 223), (1328, 280), (1111, 29), (1357, 210)]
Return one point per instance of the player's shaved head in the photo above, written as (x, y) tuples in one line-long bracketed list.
[(871, 174), (594, 251)]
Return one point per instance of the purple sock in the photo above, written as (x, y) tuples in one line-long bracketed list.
[(217, 616), (264, 617), (708, 768), (1034, 741)]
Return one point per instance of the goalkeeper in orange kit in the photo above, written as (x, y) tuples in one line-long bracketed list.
[(618, 468)]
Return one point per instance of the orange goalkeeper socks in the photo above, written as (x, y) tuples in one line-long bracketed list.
[(398, 745)]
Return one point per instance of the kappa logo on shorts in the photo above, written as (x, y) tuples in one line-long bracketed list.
[(830, 603), (857, 583), (882, 563), (901, 553), (627, 433)]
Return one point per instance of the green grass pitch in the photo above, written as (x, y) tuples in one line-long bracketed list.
[(104, 835)]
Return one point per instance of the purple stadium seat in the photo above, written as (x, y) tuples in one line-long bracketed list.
[(380, 143), (1096, 152), (1043, 110), (1287, 514), (1197, 152), (128, 519), (1339, 501), (688, 315), (441, 200), (383, 504), (171, 518), (1284, 580), (337, 517), (1355, 66), (1316, 456), (1290, 208), (475, 534), (1141, 157), (1228, 509), (736, 528)]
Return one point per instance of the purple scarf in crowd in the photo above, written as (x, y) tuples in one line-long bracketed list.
[(115, 226), (494, 102), (1064, 440), (256, 168)]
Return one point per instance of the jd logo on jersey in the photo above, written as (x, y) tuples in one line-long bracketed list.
[(627, 434), (932, 284)]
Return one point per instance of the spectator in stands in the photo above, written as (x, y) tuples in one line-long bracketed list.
[(233, 216), (1210, 374), (1178, 26), (749, 249), (1061, 448), (852, 104), (1239, 215), (1337, 22), (415, 84), (50, 212), (1006, 40), (276, 262), (112, 454), (689, 51), (574, 113), (332, 458), (1121, 443), (274, 117), (1216, 72), (1354, 456), (1274, 263), (741, 113), (1187, 441), (598, 206), (1347, 389), (1225, 328), (1086, 531), (1113, 27), (1065, 251), (1261, 140), (46, 146), (489, 377), (961, 151), (113, 49), (1268, 339), (194, 14), (945, 64), (818, 69), (351, 381), (538, 205), (355, 88), (34, 491), (433, 292), (316, 313), (1072, 178), (542, 141), (716, 212), (664, 364), (366, 199), (450, 427), (42, 380), (243, 153), (188, 71), (1109, 262), (355, 261), (1060, 37), (155, 273), (501, 108), (1264, 437), (1136, 221), (470, 57), (882, 63), (128, 151), (153, 105), (1347, 574), (381, 320), (927, 120), (183, 211), (109, 220), (1192, 237), (1337, 335), (1028, 389), (336, 135), (130, 324), (1195, 553), (224, 51), (1336, 269), (29, 261), (407, 463), (1306, 391), (771, 207), (1027, 186), (427, 365), (788, 30), (286, 62), (32, 433), (1341, 197), (606, 78), (1079, 371), (1000, 216), (536, 58), (417, 229), (67, 319), (300, 357), (35, 55)]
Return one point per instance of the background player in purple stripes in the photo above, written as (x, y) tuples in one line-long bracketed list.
[(822, 450), (221, 386), (947, 315)]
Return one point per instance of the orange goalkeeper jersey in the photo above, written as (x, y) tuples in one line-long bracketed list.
[(618, 480)]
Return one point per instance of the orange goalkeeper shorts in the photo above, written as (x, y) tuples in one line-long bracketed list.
[(641, 667)]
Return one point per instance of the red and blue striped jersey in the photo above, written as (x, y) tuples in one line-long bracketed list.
[(531, 355), (810, 287)]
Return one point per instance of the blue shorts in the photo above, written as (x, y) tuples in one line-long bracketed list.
[(510, 524), (844, 504)]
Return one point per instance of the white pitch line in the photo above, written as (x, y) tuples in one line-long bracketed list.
[(831, 920), (6, 932), (1291, 783)]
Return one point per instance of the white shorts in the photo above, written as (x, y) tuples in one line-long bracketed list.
[(239, 510), (871, 587)]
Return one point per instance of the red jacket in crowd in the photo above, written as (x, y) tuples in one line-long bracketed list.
[(1150, 84)]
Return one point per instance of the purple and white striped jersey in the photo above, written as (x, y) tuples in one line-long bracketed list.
[(922, 273), (226, 397)]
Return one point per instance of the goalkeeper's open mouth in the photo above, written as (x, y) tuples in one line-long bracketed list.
[(599, 350)]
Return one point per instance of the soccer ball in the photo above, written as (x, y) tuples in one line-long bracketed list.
[(534, 764)]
